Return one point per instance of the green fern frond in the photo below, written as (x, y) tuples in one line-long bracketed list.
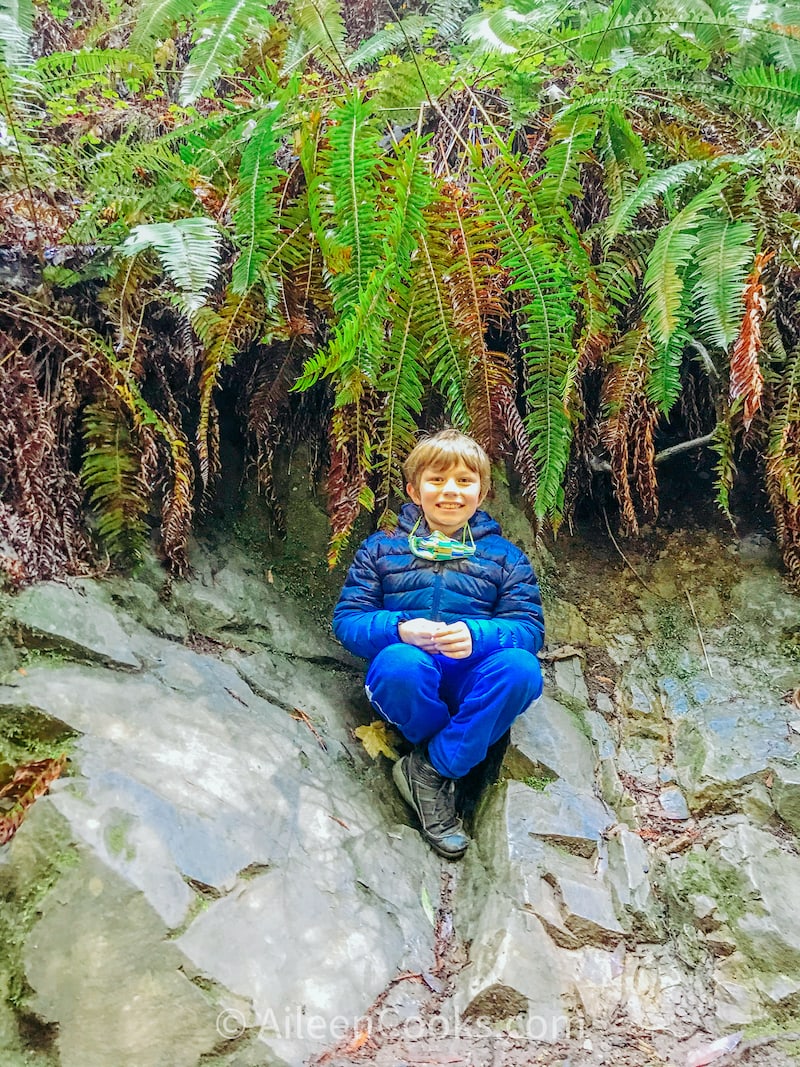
[(219, 41), (507, 29), (672, 252), (189, 250), (56, 71), (154, 18), (647, 191), (401, 386), (16, 26), (393, 37), (776, 92), (256, 231), (570, 143), (110, 473), (323, 30), (726, 251), (546, 317), (352, 167)]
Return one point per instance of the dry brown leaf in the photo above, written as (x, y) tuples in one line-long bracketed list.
[(28, 783), (378, 739)]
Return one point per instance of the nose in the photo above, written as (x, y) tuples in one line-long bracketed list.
[(451, 486)]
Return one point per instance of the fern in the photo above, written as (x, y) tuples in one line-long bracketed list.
[(776, 92), (110, 474), (672, 252), (323, 31), (402, 386), (647, 191), (389, 39), (189, 250), (16, 26), (570, 143), (256, 231), (726, 251), (546, 318), (219, 41), (154, 17), (725, 467)]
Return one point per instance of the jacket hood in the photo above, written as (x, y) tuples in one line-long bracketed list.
[(480, 524)]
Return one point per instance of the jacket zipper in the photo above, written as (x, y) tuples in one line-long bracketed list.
[(437, 591)]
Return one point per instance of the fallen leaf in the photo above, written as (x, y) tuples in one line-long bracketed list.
[(377, 740), (270, 577), (27, 784), (769, 780), (361, 1038)]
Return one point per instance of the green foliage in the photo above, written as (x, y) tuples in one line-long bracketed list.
[(219, 41), (111, 476), (579, 215), (189, 250)]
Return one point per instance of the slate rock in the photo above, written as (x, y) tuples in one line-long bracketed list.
[(548, 741), (76, 619)]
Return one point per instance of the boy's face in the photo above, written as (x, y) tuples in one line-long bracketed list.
[(448, 498)]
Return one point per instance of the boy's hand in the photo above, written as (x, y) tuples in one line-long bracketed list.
[(420, 633), (454, 641)]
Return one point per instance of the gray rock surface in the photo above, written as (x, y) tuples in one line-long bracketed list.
[(224, 878)]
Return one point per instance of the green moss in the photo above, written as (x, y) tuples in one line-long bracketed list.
[(537, 782), (38, 856), (701, 876), (116, 838), (27, 734)]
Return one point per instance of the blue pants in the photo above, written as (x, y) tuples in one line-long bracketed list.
[(459, 707)]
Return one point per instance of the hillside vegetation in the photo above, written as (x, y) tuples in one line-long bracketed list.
[(569, 228)]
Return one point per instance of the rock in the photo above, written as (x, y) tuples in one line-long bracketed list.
[(629, 865), (548, 741), (747, 885), (76, 619), (234, 605), (570, 681), (560, 814), (237, 828), (567, 626), (673, 804), (722, 748), (786, 793), (101, 968)]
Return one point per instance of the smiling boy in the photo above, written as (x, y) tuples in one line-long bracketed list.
[(448, 612)]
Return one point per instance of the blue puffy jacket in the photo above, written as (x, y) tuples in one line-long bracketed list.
[(495, 591)]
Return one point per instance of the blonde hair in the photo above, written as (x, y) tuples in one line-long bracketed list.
[(444, 450)]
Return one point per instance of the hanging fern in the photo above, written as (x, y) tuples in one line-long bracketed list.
[(570, 142), (546, 317), (219, 42), (256, 231), (110, 474), (727, 250), (189, 250)]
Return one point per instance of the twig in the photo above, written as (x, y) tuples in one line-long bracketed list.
[(602, 466), (699, 633)]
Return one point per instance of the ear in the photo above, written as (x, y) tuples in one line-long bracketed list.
[(412, 492)]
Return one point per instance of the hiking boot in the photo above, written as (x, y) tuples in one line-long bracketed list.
[(433, 799)]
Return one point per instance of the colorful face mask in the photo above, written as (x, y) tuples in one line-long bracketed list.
[(438, 547)]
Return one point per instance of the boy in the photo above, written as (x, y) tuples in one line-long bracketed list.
[(449, 614)]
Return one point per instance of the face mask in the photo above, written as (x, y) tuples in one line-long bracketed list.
[(438, 547)]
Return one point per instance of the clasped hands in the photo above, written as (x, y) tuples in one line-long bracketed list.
[(448, 639)]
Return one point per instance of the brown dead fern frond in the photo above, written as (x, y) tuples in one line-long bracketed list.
[(747, 380)]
